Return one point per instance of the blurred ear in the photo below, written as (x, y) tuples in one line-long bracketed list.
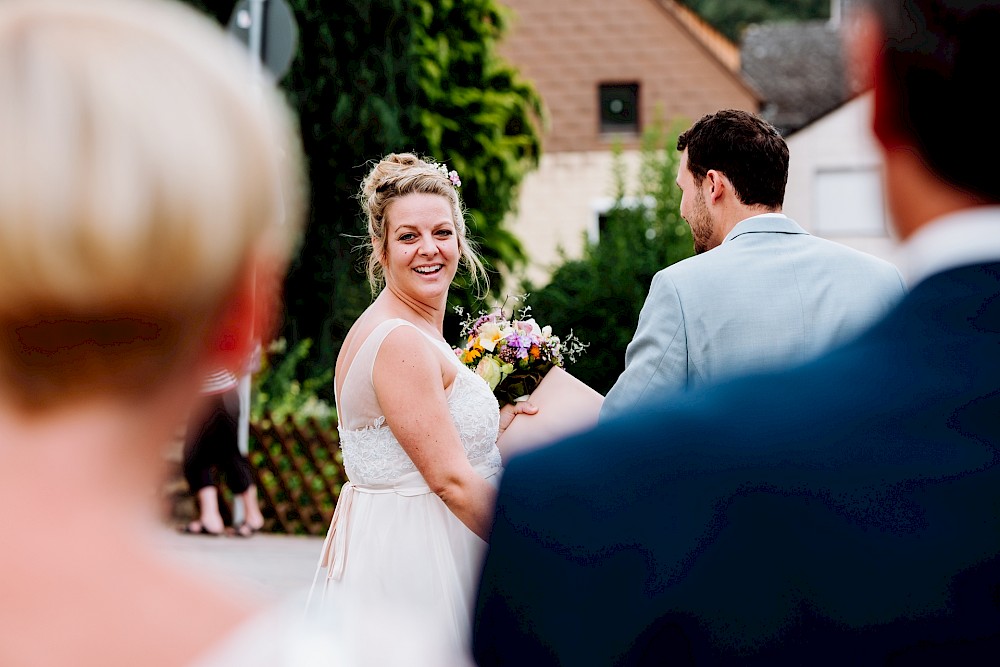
[(248, 317), (862, 40), (864, 43), (268, 290)]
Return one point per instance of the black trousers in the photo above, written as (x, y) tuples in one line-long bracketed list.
[(211, 446)]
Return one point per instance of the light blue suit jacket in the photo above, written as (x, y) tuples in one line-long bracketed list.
[(770, 295)]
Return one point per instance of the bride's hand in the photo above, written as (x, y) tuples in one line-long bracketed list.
[(510, 410)]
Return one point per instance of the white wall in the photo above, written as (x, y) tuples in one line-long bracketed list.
[(835, 181)]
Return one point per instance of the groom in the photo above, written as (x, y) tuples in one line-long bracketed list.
[(761, 292), (846, 511)]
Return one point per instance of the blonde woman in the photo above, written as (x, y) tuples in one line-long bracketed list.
[(418, 429), (150, 195)]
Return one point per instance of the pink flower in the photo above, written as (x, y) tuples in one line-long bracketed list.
[(455, 180)]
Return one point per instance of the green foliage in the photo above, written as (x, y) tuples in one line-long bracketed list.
[(375, 76), (731, 18), (352, 83), (279, 393), (599, 296), (479, 116)]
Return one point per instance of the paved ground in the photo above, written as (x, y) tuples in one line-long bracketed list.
[(274, 566), (281, 567)]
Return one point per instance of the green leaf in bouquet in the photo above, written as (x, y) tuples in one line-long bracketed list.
[(520, 384)]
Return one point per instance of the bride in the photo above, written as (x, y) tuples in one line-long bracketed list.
[(418, 429)]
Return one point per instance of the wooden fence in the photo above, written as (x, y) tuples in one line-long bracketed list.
[(299, 470)]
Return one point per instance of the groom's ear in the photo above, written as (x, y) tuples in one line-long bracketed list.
[(716, 184)]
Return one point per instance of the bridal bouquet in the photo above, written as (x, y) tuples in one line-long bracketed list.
[(512, 353)]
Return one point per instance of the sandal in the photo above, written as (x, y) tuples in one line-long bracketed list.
[(198, 528), (245, 530)]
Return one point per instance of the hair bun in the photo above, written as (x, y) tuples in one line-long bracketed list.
[(408, 159), (390, 168)]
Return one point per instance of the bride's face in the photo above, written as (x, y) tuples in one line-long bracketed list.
[(422, 254)]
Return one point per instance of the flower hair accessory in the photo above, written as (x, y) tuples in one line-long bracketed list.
[(450, 175)]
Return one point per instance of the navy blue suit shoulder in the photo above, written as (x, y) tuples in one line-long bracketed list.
[(844, 511)]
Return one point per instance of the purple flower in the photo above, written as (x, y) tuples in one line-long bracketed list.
[(519, 345)]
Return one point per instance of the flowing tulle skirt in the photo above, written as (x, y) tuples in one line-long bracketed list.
[(398, 544)]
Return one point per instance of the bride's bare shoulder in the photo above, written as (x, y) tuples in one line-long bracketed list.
[(359, 332)]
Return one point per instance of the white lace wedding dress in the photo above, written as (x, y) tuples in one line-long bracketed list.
[(393, 541)]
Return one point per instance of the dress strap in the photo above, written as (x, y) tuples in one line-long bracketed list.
[(356, 401)]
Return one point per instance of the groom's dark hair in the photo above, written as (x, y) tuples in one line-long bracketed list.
[(746, 148)]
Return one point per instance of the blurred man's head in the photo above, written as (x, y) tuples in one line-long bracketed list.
[(930, 63), (147, 181), (940, 57)]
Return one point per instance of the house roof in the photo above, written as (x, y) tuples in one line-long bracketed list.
[(713, 40), (569, 49), (798, 68)]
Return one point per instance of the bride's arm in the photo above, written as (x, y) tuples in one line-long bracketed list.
[(409, 377)]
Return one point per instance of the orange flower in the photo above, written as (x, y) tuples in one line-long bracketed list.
[(534, 352)]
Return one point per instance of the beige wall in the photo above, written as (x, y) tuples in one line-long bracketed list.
[(560, 202)]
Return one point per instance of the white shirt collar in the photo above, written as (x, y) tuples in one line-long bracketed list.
[(762, 215), (971, 236)]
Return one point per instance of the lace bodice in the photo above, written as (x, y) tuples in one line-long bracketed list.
[(372, 455)]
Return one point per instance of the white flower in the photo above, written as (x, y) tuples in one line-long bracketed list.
[(490, 333), (529, 326), (493, 371)]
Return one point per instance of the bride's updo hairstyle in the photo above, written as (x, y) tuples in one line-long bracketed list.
[(397, 175)]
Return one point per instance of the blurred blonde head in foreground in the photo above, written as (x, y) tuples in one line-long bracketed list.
[(146, 178), (151, 194)]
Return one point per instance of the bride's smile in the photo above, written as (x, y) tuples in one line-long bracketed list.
[(422, 253)]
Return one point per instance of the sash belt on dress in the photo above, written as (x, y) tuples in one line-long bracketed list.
[(333, 556)]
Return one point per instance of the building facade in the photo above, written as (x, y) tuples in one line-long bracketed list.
[(605, 70), (835, 181)]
